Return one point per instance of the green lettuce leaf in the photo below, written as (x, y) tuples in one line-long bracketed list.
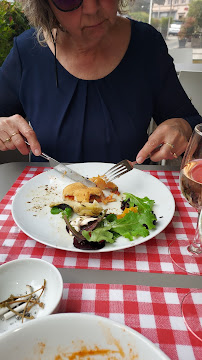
[(142, 203), (101, 233), (130, 226)]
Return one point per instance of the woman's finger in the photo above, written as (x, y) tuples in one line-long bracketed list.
[(16, 129), (166, 152), (29, 134), (19, 141), (172, 134), (6, 143), (3, 146), (152, 145), (8, 131)]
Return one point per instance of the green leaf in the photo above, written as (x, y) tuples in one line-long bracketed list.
[(142, 203), (12, 23), (99, 234), (147, 218), (55, 210), (68, 211), (129, 226), (111, 217), (132, 224)]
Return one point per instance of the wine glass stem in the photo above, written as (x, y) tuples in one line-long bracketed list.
[(196, 246)]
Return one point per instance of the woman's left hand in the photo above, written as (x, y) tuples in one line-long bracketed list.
[(171, 137)]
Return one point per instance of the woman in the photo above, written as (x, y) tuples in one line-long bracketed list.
[(90, 85)]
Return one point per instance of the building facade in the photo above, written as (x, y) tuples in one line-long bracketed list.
[(177, 9)]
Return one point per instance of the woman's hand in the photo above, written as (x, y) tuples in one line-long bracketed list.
[(13, 130), (173, 135)]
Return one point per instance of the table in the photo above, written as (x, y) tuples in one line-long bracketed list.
[(139, 287), (188, 67)]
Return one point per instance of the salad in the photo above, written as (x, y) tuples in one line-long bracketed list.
[(91, 233)]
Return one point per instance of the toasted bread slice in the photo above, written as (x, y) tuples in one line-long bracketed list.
[(82, 193), (69, 190), (83, 200)]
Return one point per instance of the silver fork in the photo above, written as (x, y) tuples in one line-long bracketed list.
[(123, 167), (117, 170)]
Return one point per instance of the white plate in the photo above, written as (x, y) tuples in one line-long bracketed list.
[(61, 336), (31, 210), (16, 274)]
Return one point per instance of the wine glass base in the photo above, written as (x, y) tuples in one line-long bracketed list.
[(184, 259), (194, 249), (191, 308)]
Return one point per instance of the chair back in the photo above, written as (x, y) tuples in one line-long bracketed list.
[(181, 55), (192, 83)]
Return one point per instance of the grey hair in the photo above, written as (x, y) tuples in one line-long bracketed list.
[(42, 18)]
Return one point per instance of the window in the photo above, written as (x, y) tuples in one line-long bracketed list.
[(168, 18)]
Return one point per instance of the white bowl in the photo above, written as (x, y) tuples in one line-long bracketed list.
[(62, 336), (15, 275)]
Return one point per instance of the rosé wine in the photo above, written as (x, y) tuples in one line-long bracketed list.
[(191, 183)]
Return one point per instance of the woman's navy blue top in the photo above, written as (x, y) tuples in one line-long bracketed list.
[(94, 120)]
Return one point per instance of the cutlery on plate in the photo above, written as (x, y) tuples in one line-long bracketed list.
[(65, 170), (123, 167)]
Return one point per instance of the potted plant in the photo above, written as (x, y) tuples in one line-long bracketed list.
[(196, 39), (189, 27), (182, 37), (195, 10)]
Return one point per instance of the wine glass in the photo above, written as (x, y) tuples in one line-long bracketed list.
[(191, 188), (191, 308)]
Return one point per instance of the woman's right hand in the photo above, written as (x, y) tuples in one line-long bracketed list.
[(13, 130)]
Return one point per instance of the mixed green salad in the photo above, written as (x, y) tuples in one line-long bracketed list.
[(137, 221)]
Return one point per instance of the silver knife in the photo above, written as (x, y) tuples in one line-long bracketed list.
[(65, 170)]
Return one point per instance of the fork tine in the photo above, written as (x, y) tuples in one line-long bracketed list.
[(112, 172), (117, 175), (117, 170), (113, 168), (123, 163)]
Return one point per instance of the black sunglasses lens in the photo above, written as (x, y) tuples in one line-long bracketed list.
[(67, 5)]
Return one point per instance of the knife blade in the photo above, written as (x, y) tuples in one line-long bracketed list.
[(66, 171)]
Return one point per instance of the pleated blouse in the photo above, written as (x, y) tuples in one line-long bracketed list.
[(94, 120)]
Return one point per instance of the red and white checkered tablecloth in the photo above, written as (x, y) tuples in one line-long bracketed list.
[(152, 311), (151, 256)]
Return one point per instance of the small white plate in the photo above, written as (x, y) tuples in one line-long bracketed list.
[(16, 274), (77, 336), (31, 205)]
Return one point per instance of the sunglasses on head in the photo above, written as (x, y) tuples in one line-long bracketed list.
[(67, 5)]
